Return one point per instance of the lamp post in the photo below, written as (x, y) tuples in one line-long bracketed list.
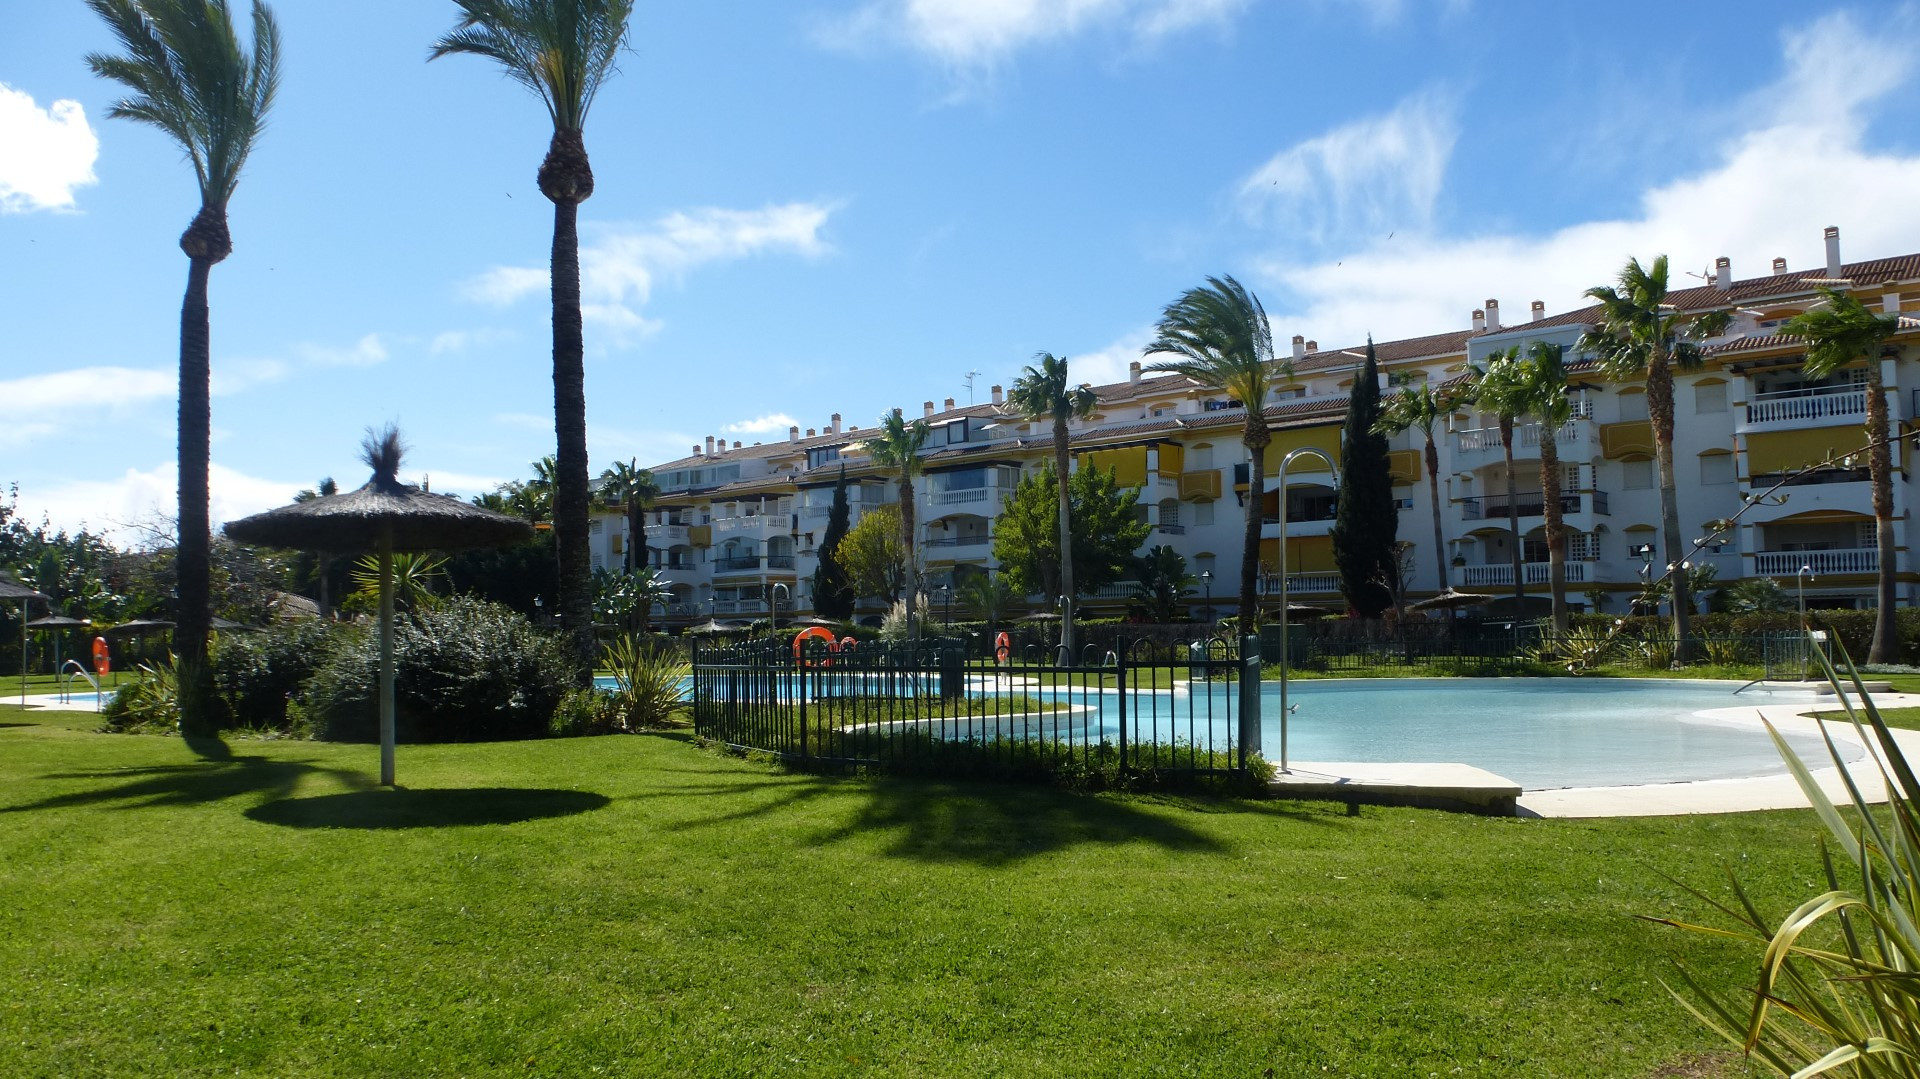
[(776, 594), (1066, 620), (1801, 577), (1286, 643), (540, 612), (946, 605), (1206, 582)]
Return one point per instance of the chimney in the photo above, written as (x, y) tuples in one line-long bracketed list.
[(926, 409), (793, 433), (1890, 302), (709, 445), (1479, 320), (1779, 266), (1133, 372), (1723, 274), (809, 432), (1299, 346), (1493, 314), (1313, 348), (696, 449), (736, 443), (836, 423), (1833, 251), (1539, 310), (996, 395), (896, 413), (949, 405)]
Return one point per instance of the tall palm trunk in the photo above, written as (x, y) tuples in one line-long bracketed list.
[(1433, 490), (1660, 412), (1556, 524), (567, 180), (206, 242), (1886, 640), (906, 545), (639, 554), (1256, 440), (1061, 460), (1513, 518)]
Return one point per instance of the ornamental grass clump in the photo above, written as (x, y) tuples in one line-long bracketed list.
[(650, 684), (1838, 991)]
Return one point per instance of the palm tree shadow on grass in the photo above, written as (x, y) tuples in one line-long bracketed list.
[(214, 778), (379, 809), (986, 824)]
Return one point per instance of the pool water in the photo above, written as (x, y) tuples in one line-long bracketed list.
[(1540, 733)]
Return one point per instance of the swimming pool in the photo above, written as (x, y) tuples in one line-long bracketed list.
[(1540, 732)]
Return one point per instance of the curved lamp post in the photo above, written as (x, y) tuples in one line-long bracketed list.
[(1286, 642)]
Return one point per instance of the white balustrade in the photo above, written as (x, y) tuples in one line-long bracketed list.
[(1798, 406), (1788, 563)]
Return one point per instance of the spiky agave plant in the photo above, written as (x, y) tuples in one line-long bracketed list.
[(1838, 991)]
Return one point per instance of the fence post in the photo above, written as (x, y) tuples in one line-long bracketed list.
[(1249, 698), (800, 684), (1121, 693)]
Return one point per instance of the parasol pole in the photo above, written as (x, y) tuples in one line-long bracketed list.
[(1286, 638), (23, 651), (386, 656)]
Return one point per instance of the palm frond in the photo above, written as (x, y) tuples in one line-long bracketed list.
[(562, 50)]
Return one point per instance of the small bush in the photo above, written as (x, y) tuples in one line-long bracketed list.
[(650, 689), (583, 712), (258, 674), (150, 704), (464, 671)]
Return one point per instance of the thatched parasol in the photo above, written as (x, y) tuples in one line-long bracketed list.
[(391, 516), (9, 589), (1449, 598), (139, 627)]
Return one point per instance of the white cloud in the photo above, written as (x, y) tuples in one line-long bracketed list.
[(762, 425), (366, 352), (1109, 364), (456, 342), (44, 153), (113, 387), (619, 268), (526, 421), (1801, 164), (126, 509), (1369, 178), (977, 34)]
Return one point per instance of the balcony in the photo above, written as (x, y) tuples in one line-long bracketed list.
[(737, 565), (1532, 504), (1788, 563), (1170, 529), (1300, 584), (756, 523), (739, 606), (970, 495), (1200, 484), (1808, 408), (780, 561), (666, 535), (957, 541), (1573, 439), (1532, 572)]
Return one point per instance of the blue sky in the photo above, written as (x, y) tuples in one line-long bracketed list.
[(817, 206)]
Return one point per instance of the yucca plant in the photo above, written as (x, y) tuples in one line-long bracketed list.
[(1838, 991), (649, 683)]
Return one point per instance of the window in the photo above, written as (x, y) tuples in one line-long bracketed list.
[(1202, 514), (1866, 535), (1200, 459), (1636, 475), (1709, 397), (1716, 468), (1583, 547), (1633, 406), (816, 458)]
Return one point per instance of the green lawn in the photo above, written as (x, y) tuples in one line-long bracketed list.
[(637, 906)]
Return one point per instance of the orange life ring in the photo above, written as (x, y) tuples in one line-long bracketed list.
[(102, 659), (848, 644), (1002, 646), (813, 633)]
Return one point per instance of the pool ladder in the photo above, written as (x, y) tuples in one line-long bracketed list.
[(67, 671)]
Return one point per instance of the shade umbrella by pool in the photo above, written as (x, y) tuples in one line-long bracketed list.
[(57, 622), (10, 589), (390, 516), (139, 627), (1449, 598)]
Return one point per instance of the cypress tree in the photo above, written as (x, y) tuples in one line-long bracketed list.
[(1365, 525), (832, 592)]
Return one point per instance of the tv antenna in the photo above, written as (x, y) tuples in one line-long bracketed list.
[(971, 375)]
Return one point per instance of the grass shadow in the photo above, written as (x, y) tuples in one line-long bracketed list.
[(379, 809), (212, 779)]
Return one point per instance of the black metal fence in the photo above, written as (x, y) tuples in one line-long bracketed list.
[(928, 707)]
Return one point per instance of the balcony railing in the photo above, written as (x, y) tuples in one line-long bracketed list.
[(1171, 529), (1532, 573), (1300, 584), (1788, 563), (1525, 436), (956, 498), (735, 565), (779, 561), (739, 606), (1802, 406), (1529, 504), (958, 541)]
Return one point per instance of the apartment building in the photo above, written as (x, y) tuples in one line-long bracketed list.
[(738, 527)]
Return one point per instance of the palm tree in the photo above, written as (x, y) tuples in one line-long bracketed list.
[(1501, 390), (1164, 583), (1838, 332), (988, 597), (1641, 335), (191, 78), (1044, 392), (633, 487), (1221, 333), (1543, 388), (1422, 407), (896, 446), (562, 50)]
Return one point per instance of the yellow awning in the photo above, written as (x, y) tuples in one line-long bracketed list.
[(1305, 554), (1325, 439), (1129, 464), (700, 535), (1173, 458), (1405, 465), (1786, 451), (1626, 439)]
